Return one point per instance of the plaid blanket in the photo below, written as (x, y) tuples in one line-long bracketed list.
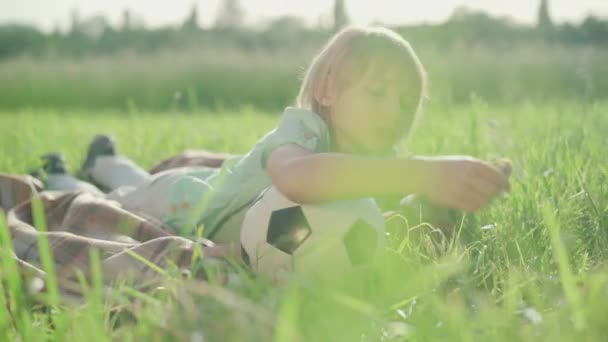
[(130, 246), (191, 158)]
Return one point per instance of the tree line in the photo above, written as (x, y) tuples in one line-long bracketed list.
[(95, 36)]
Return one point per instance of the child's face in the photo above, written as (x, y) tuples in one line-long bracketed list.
[(370, 116)]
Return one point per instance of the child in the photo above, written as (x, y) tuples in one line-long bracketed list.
[(361, 95)]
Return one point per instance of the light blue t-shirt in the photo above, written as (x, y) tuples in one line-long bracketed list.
[(209, 197)]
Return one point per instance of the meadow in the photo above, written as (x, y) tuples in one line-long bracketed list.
[(529, 267), (191, 79)]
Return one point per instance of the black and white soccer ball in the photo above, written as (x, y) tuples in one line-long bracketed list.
[(280, 237)]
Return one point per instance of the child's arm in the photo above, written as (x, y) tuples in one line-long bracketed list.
[(457, 182)]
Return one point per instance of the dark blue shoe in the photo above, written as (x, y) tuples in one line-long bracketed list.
[(54, 163), (102, 145), (58, 177)]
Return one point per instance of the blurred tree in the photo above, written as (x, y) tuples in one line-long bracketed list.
[(56, 30), (545, 24), (127, 21), (74, 21), (284, 31), (230, 15), (341, 18), (94, 27), (570, 34), (19, 39), (287, 23), (472, 27), (595, 30), (191, 23)]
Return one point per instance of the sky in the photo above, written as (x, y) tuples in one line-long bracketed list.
[(48, 14)]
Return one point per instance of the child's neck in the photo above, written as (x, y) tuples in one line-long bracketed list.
[(342, 142)]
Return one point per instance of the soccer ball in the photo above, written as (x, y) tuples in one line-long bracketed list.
[(280, 238)]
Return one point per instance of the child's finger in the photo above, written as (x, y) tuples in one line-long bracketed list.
[(484, 187), (505, 167), (491, 174)]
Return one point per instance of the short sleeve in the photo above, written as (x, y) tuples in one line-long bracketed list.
[(300, 127)]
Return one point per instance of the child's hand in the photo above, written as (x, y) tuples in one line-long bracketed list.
[(462, 183)]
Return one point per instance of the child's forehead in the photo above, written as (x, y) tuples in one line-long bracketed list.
[(382, 77), (386, 75)]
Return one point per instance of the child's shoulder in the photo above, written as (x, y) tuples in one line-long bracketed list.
[(298, 116), (298, 126)]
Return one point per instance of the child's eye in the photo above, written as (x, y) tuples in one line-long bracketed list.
[(376, 93)]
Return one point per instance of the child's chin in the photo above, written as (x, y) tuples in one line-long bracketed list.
[(377, 151), (372, 148), (381, 149)]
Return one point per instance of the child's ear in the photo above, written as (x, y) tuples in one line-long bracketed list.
[(324, 93)]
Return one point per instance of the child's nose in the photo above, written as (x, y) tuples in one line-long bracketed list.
[(392, 111)]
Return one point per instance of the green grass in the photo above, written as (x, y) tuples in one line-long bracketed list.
[(190, 79), (535, 272)]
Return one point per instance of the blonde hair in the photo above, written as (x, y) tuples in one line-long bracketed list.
[(348, 56)]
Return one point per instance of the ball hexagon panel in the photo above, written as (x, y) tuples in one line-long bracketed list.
[(288, 229), (360, 242)]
